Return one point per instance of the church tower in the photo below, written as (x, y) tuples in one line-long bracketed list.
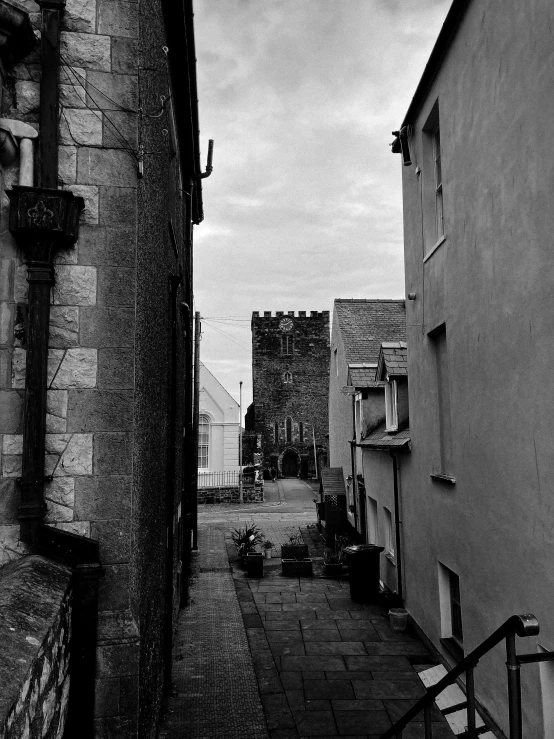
[(290, 374)]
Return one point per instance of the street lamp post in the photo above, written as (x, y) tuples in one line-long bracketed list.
[(241, 494)]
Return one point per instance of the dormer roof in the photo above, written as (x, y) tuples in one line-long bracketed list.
[(393, 360)]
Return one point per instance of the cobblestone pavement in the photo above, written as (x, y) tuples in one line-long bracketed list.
[(286, 658)]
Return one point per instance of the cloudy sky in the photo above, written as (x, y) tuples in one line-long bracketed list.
[(304, 204)]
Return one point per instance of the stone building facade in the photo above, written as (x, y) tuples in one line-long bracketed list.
[(288, 418), (119, 383)]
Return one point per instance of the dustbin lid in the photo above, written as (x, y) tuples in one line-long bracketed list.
[(363, 549)]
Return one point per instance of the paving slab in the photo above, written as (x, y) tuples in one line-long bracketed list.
[(368, 722), (293, 658)]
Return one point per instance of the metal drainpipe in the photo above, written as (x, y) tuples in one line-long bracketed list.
[(397, 525), (353, 463), (40, 276)]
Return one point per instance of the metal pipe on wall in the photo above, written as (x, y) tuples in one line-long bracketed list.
[(195, 422), (241, 491), (397, 526)]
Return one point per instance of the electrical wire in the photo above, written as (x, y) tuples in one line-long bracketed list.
[(224, 333), (86, 85), (101, 115), (230, 323)]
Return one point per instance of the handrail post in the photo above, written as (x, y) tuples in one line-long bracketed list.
[(470, 694), (514, 688)]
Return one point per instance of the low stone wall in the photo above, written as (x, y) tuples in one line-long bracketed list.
[(250, 494), (35, 603)]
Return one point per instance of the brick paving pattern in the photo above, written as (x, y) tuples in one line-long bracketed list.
[(286, 658), (215, 688)]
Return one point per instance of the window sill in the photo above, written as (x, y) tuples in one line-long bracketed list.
[(439, 477), (454, 648), (434, 248)]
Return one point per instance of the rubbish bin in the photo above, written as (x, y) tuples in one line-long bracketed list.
[(363, 570)]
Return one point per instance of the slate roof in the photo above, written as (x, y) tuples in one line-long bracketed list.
[(365, 324), (393, 359), (362, 376), (380, 439), (332, 481)]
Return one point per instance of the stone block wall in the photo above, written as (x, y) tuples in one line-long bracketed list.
[(91, 357), (250, 494), (109, 368), (35, 602)]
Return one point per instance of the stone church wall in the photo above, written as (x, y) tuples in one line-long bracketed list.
[(291, 385)]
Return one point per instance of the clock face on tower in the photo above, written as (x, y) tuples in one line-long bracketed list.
[(285, 324)]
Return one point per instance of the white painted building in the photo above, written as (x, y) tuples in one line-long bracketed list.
[(218, 440)]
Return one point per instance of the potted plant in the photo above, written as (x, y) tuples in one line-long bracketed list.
[(254, 564), (295, 549), (333, 557), (268, 546), (294, 559), (246, 540)]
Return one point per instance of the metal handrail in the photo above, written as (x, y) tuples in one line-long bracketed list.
[(518, 625)]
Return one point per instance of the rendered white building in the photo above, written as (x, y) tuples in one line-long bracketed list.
[(219, 428)]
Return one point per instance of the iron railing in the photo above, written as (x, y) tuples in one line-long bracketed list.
[(224, 479), (522, 625)]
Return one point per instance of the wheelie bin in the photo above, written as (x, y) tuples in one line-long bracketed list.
[(363, 570)]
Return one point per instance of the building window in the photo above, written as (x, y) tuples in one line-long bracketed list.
[(391, 406), (389, 536), (439, 217), (289, 430), (276, 432), (451, 610), (287, 377), (336, 362), (287, 344), (440, 350), (455, 607), (432, 184), (203, 441), (301, 432), (372, 520)]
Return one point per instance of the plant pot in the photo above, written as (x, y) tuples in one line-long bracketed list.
[(254, 564), (297, 567), (333, 569), (267, 553), (294, 551), (398, 619)]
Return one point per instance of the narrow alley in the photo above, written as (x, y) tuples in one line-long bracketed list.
[(318, 664)]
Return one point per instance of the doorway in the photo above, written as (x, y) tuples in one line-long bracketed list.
[(289, 465)]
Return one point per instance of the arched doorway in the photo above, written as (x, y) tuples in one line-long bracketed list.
[(289, 464)]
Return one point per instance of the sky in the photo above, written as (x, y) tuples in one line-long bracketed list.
[(304, 204)]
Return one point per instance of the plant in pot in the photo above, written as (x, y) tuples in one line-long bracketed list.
[(294, 558), (333, 556), (247, 539), (268, 546), (295, 549)]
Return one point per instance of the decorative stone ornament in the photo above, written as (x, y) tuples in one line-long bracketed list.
[(40, 213)]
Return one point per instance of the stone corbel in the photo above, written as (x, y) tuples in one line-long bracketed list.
[(18, 136)]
